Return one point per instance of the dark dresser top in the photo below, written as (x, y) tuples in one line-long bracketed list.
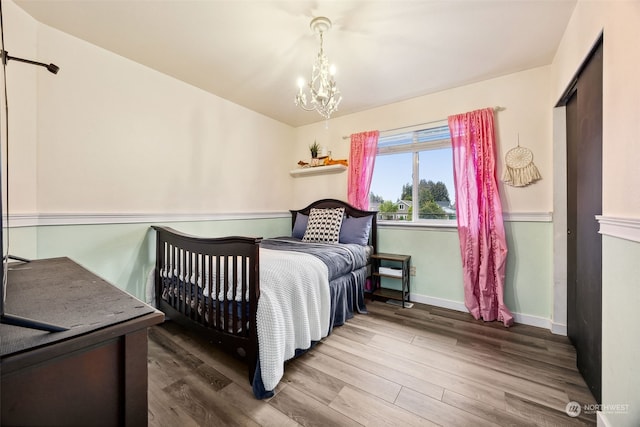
[(61, 292)]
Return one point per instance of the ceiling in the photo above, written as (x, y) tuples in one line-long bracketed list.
[(252, 52)]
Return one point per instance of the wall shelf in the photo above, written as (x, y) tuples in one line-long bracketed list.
[(318, 170)]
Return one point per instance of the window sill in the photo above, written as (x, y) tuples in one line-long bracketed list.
[(442, 225)]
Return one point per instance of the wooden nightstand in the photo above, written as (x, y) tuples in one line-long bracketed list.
[(395, 266)]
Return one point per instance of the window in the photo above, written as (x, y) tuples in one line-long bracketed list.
[(413, 177)]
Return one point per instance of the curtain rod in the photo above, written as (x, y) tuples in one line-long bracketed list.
[(496, 109)]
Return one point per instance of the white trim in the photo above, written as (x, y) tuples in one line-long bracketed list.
[(559, 329), (453, 224), (623, 228), (559, 313), (528, 319), (439, 302), (35, 220), (441, 224), (525, 319)]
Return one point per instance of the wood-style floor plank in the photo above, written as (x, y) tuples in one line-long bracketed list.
[(353, 375), (368, 410), (421, 366), (403, 377), (438, 411), (484, 411), (307, 411), (312, 381), (481, 371), (422, 372), (264, 414)]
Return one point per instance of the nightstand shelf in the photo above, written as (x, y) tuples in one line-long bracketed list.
[(396, 267)]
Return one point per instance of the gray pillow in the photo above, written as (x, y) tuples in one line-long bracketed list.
[(355, 230), (300, 226)]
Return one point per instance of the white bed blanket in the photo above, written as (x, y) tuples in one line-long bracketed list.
[(293, 309)]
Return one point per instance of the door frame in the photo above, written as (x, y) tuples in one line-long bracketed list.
[(559, 314)]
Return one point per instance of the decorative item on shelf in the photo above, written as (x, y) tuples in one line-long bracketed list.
[(323, 94), (330, 161), (323, 161), (314, 148), (519, 169)]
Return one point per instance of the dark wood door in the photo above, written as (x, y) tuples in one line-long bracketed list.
[(584, 202)]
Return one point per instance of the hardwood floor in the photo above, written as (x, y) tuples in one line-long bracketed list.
[(393, 366)]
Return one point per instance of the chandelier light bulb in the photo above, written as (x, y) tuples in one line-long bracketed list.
[(301, 82), (321, 93)]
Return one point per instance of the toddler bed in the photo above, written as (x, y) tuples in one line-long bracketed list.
[(268, 300)]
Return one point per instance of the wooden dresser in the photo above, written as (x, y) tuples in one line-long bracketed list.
[(95, 373)]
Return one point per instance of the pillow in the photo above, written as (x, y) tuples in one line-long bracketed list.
[(324, 225), (355, 230), (300, 225)]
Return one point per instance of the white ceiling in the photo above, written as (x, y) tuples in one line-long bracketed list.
[(251, 52)]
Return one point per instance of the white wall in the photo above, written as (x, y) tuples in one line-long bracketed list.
[(115, 136), (527, 102), (21, 41)]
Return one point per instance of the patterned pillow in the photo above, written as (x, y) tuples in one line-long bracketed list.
[(324, 225)]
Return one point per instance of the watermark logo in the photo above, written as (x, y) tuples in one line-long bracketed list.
[(573, 409)]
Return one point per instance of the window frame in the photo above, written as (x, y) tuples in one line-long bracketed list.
[(415, 148)]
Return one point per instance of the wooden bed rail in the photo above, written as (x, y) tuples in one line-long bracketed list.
[(214, 283)]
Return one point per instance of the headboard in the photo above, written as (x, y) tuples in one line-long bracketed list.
[(348, 210)]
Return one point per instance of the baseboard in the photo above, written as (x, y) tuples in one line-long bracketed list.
[(559, 329), (439, 302), (528, 319), (524, 319)]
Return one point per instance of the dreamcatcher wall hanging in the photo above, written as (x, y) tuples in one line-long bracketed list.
[(519, 167)]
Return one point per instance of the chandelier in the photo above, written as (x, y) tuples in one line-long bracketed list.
[(321, 93)]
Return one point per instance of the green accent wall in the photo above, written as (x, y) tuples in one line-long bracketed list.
[(621, 330), (124, 254), (435, 253), (529, 277)]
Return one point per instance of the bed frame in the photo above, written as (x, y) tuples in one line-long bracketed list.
[(229, 321)]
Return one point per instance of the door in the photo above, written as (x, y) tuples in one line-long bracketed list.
[(584, 202)]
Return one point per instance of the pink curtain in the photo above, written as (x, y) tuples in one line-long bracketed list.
[(362, 157), (483, 243)]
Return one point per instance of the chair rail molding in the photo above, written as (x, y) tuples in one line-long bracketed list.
[(47, 219), (623, 228)]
